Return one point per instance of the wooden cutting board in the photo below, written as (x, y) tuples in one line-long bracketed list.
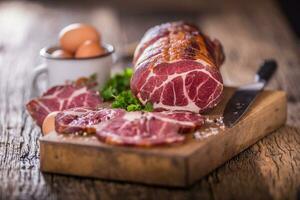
[(177, 165)]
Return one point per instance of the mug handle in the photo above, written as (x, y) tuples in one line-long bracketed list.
[(40, 69)]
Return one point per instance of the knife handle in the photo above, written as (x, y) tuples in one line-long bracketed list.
[(266, 71)]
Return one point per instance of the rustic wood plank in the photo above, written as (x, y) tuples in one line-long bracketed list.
[(258, 42), (275, 158), (249, 31)]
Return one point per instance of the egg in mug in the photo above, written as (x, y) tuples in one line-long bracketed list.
[(59, 53), (79, 41), (89, 49)]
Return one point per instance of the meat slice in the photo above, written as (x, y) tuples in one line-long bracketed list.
[(60, 98), (177, 68), (148, 129), (186, 121), (80, 120)]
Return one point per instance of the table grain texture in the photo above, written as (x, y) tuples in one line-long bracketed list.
[(250, 31)]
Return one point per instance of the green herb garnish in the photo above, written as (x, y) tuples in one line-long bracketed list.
[(117, 90), (116, 85)]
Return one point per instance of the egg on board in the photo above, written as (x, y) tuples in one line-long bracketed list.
[(59, 53), (89, 49), (49, 123), (73, 35)]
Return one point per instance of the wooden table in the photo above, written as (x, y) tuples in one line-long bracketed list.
[(250, 33)]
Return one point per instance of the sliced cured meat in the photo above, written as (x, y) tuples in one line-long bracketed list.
[(186, 121), (139, 129), (147, 129), (177, 68), (116, 126), (60, 98), (79, 120), (89, 119)]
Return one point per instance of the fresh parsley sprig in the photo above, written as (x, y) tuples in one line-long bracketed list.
[(117, 90), (117, 84)]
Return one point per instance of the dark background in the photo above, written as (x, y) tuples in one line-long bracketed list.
[(291, 9)]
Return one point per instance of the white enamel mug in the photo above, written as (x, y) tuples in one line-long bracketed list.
[(61, 70)]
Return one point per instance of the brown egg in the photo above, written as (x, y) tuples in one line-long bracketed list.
[(59, 53), (89, 49), (49, 123), (72, 36)]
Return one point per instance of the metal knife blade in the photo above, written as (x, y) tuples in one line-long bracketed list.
[(244, 96)]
